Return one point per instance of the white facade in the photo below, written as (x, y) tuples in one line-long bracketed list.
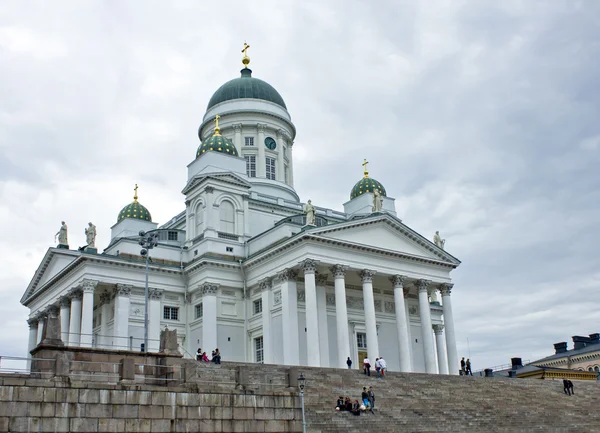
[(238, 269)]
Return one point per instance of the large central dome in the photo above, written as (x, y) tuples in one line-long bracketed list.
[(246, 87)]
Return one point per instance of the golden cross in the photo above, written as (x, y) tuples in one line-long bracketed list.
[(217, 117), (364, 164), (135, 196), (246, 46)]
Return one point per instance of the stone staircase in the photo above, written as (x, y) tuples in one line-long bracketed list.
[(418, 402)]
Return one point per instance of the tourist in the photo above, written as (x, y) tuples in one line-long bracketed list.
[(340, 405), (377, 368), (356, 408), (367, 367), (204, 357), (462, 366), (365, 397), (570, 384), (566, 387), (468, 368), (383, 365), (216, 356), (348, 404), (199, 354), (372, 399), (349, 363)]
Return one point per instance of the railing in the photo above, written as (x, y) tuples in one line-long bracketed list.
[(231, 237), (498, 368), (111, 342), (22, 365)]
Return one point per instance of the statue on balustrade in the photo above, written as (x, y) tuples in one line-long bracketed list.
[(377, 201), (310, 212), (437, 239), (90, 235), (62, 235)]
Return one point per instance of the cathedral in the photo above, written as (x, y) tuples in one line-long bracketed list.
[(249, 268)]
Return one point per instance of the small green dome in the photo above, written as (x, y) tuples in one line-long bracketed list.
[(217, 143), (246, 87), (136, 211), (367, 184)]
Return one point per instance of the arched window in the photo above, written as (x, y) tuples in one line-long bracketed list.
[(227, 217), (199, 220), (597, 369)]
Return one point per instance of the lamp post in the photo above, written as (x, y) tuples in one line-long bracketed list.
[(301, 385), (147, 241)]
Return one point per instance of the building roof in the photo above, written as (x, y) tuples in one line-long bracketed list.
[(367, 184), (569, 353), (246, 87)]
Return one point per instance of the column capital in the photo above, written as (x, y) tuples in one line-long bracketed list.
[(123, 290), (209, 289), (237, 127), (261, 128), (398, 280), (287, 275), (309, 266), (33, 322), (89, 285), (155, 294), (76, 293), (321, 279), (367, 275), (446, 289), (438, 329), (52, 310), (279, 133), (265, 284), (64, 301), (422, 285), (104, 298), (338, 271)]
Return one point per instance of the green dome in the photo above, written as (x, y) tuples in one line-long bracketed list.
[(136, 211), (367, 184), (246, 87), (217, 143)]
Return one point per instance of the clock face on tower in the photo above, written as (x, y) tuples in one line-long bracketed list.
[(270, 143)]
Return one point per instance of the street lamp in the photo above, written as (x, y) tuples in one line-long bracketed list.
[(147, 241), (301, 385)]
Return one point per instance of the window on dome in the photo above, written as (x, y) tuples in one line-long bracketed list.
[(250, 165), (227, 217), (249, 141), (199, 215), (270, 162)]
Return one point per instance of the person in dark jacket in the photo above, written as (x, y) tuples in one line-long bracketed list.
[(349, 362), (340, 403), (371, 400), (356, 408), (571, 387), (348, 404), (566, 387)]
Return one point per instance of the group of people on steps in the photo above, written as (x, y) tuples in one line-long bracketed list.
[(215, 356), (367, 403)]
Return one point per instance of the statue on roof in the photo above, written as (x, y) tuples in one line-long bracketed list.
[(90, 235), (310, 212), (62, 234), (377, 201), (437, 239)]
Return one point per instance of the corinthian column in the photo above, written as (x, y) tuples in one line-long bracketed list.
[(438, 330), (401, 323), (65, 318), (121, 320), (266, 297), (75, 321), (87, 312), (237, 137), (370, 321), (209, 316), (341, 314), (260, 161), (313, 352), (289, 315), (322, 313), (450, 333), (155, 296), (426, 333)]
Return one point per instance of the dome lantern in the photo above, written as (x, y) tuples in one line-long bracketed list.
[(366, 184), (217, 143), (135, 209)]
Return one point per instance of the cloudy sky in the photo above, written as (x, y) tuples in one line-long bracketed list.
[(480, 117)]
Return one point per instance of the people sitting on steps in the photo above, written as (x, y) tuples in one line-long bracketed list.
[(340, 405), (199, 354), (204, 358), (348, 404), (216, 356), (356, 408)]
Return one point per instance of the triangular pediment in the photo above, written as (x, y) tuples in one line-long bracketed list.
[(386, 233), (230, 178), (52, 264)]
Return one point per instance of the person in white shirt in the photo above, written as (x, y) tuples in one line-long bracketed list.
[(367, 367), (382, 367)]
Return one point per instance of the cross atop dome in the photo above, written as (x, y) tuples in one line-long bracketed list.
[(245, 59)]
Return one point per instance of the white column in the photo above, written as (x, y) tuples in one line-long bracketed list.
[(87, 312), (266, 297), (104, 338), (40, 328), (370, 322), (32, 343), (211, 217), (410, 338), (290, 164), (426, 333), (280, 173), (341, 315), (155, 296), (289, 313), (453, 365), (261, 170), (322, 313), (313, 352), (438, 330), (401, 323), (75, 320), (65, 318), (121, 319), (237, 137), (209, 317)]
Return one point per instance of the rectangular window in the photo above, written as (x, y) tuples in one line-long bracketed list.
[(199, 311), (258, 306), (361, 340), (172, 236), (171, 313), (249, 141), (250, 165), (258, 349), (270, 162)]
